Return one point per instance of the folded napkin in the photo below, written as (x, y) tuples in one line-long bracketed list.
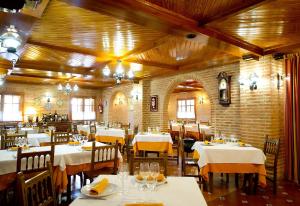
[(160, 178), (144, 204), (74, 143), (87, 148), (99, 187), (13, 148)]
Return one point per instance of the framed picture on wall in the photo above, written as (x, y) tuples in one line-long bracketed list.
[(154, 103)]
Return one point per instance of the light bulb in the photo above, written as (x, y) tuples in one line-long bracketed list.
[(60, 87), (130, 74), (75, 88), (106, 71), (68, 86), (119, 69)]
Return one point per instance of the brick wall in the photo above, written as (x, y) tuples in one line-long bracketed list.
[(35, 96), (251, 115)]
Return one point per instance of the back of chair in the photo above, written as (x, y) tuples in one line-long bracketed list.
[(93, 129), (9, 140), (101, 154), (60, 137), (163, 162), (37, 191), (271, 147), (34, 161), (136, 129)]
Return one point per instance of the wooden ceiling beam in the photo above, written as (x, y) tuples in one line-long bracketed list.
[(240, 8), (283, 49), (148, 14)]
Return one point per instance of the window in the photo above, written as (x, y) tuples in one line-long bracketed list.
[(11, 105), (83, 108), (186, 109)]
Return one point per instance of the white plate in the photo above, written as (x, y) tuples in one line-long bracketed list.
[(109, 190), (158, 183)]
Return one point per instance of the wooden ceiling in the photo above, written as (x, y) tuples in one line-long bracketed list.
[(189, 85), (73, 40)]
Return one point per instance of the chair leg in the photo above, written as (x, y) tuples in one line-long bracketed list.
[(69, 195), (255, 183), (236, 179), (227, 178), (275, 184), (210, 189)]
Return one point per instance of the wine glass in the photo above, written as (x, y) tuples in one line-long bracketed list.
[(123, 175), (144, 172), (85, 139), (154, 170)]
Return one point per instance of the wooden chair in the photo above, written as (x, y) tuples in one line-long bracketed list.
[(37, 191), (102, 154), (34, 161), (187, 161), (271, 150), (93, 131), (163, 162), (9, 140), (74, 128), (60, 137)]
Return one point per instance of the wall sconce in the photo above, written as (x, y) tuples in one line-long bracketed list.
[(201, 100), (251, 81), (279, 80)]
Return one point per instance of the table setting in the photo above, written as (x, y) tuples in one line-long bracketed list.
[(147, 187)]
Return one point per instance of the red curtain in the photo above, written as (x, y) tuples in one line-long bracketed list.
[(292, 115)]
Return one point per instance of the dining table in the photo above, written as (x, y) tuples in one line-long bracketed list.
[(107, 135), (68, 160), (36, 139), (230, 158), (153, 141), (177, 191)]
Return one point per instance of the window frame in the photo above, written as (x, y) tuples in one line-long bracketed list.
[(83, 106), (186, 99), (21, 105)]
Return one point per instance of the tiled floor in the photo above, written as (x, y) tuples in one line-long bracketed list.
[(228, 195)]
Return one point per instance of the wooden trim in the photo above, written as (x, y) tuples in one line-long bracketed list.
[(241, 8), (83, 105), (21, 105), (159, 18), (195, 109)]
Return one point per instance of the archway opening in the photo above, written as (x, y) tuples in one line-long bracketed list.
[(119, 108), (189, 103)]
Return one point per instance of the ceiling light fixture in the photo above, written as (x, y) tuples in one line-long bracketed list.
[(249, 57), (11, 39), (119, 73), (67, 89)]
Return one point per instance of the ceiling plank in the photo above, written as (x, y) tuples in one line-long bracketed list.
[(67, 49), (46, 66), (146, 47), (152, 15), (153, 64), (241, 8)]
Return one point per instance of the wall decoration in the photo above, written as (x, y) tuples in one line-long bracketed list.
[(59, 102), (224, 89), (154, 103)]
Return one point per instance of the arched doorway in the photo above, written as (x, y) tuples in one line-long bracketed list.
[(118, 110), (189, 102)]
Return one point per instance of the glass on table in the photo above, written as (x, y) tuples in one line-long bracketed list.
[(149, 130), (154, 172)]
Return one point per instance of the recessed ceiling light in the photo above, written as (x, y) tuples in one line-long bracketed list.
[(191, 36)]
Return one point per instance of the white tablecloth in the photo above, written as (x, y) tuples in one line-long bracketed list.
[(150, 137), (179, 191), (101, 131), (64, 155), (228, 153), (35, 139), (29, 130)]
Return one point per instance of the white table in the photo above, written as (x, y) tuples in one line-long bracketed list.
[(178, 191), (64, 155), (228, 153), (29, 130), (103, 131), (35, 139)]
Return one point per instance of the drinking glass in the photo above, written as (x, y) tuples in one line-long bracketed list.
[(154, 171), (144, 172), (123, 176), (85, 139)]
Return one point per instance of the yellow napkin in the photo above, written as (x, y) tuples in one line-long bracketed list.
[(144, 204), (242, 144), (139, 177), (99, 187), (87, 148), (13, 148), (74, 143), (206, 142), (160, 178)]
